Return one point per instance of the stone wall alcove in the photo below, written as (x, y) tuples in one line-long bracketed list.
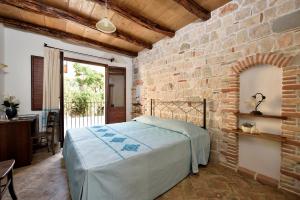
[(231, 106), (261, 156)]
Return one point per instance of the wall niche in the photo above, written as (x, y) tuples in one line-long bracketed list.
[(259, 155)]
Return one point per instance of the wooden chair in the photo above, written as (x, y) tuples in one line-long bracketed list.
[(6, 175), (47, 137)]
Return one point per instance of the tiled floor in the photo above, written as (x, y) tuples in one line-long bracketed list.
[(46, 179)]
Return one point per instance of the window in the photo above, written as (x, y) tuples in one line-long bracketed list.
[(37, 70)]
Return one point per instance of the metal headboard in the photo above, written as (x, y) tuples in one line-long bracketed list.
[(186, 107)]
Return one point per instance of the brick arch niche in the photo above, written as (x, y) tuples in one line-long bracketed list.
[(290, 149)]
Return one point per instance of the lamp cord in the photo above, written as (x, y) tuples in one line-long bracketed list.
[(106, 9)]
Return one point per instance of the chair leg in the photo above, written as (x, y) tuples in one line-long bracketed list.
[(48, 145), (53, 150), (52, 147), (11, 186)]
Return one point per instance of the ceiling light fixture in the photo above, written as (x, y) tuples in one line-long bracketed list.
[(105, 25)]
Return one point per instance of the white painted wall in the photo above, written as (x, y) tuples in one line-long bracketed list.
[(261, 155), (2, 59), (19, 46)]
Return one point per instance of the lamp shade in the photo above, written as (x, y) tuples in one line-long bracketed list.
[(105, 26)]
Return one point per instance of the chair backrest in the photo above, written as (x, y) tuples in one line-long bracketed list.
[(52, 119)]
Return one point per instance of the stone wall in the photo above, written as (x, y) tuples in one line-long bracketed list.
[(204, 59)]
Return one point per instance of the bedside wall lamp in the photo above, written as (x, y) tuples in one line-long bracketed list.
[(262, 98), (3, 66)]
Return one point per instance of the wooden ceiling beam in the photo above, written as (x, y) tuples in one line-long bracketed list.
[(137, 18), (44, 9), (194, 8), (63, 35)]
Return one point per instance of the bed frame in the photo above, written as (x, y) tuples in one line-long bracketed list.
[(172, 106)]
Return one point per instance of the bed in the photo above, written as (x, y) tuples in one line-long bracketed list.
[(136, 160)]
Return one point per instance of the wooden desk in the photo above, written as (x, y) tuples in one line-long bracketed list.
[(15, 140)]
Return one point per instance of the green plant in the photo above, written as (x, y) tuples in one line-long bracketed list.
[(84, 90), (79, 103)]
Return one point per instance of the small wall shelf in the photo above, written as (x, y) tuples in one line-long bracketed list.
[(249, 115), (267, 136)]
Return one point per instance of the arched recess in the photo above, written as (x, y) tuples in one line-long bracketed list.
[(230, 102)]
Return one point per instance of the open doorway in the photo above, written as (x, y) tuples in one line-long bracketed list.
[(116, 95), (84, 94)]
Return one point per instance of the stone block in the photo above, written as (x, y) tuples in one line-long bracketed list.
[(185, 46), (259, 6), (266, 45), (273, 2), (259, 31), (242, 36), (228, 8), (250, 21), (286, 22), (247, 2), (229, 42), (214, 36), (285, 7), (204, 39), (285, 40), (232, 29), (227, 20), (270, 14), (243, 13), (297, 38), (213, 25)]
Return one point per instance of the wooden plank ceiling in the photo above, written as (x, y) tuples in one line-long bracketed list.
[(140, 23)]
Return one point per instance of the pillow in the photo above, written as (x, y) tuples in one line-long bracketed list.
[(146, 119), (192, 131)]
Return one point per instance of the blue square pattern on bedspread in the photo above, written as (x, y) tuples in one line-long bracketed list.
[(130, 160), (122, 144)]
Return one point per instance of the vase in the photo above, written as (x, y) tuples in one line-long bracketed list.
[(11, 112)]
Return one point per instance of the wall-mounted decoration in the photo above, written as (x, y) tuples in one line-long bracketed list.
[(259, 97)]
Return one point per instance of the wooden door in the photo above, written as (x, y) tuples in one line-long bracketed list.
[(116, 95)]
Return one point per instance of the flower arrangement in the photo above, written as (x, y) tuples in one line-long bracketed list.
[(11, 104), (11, 101)]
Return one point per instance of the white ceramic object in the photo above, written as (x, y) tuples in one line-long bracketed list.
[(248, 129)]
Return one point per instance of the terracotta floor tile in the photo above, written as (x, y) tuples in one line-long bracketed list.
[(46, 179)]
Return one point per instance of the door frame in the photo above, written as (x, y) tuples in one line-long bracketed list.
[(62, 114), (107, 88)]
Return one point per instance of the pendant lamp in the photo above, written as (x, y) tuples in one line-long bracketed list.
[(105, 25)]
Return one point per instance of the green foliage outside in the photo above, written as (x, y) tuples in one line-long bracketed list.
[(84, 94)]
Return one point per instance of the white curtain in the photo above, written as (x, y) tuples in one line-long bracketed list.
[(51, 90), (51, 82)]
